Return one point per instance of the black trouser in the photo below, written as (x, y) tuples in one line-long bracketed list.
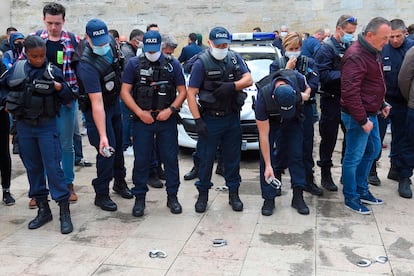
[(328, 129), (5, 160)]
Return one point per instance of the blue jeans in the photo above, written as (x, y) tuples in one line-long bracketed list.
[(166, 137), (361, 150), (114, 166), (66, 127), (41, 153), (224, 131)]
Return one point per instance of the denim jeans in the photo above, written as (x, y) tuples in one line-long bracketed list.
[(166, 137), (224, 131), (361, 150), (66, 127), (41, 153)]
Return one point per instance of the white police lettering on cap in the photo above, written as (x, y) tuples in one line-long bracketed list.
[(100, 32), (151, 40), (221, 35)]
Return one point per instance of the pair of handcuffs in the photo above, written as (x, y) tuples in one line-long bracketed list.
[(367, 262)]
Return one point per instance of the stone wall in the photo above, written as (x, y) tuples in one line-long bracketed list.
[(180, 17)]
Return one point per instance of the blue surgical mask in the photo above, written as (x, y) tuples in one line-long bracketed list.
[(346, 38), (101, 50)]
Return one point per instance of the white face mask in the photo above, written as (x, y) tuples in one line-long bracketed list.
[(291, 54), (283, 34), (153, 57), (219, 54)]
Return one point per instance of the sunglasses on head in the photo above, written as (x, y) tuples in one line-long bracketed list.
[(351, 19)]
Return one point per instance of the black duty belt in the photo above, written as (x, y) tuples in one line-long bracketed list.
[(216, 113)]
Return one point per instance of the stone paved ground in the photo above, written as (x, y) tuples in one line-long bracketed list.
[(329, 241)]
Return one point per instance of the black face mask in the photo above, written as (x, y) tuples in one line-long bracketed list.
[(19, 47)]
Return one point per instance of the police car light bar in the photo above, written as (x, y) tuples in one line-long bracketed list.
[(252, 36)]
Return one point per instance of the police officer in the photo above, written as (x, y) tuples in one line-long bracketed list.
[(279, 118), (99, 75), (218, 77), (153, 78), (328, 60), (293, 59), (36, 91)]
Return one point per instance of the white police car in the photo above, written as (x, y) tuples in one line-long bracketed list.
[(257, 50)]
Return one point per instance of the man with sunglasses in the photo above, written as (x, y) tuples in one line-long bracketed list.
[(328, 59)]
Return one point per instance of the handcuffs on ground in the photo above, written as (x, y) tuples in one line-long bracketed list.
[(219, 242), (155, 253), (366, 262)]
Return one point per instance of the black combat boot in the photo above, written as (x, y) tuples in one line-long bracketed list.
[(201, 203), (326, 179), (44, 215), (8, 200), (235, 202), (121, 188), (393, 173), (268, 207), (66, 226), (174, 205), (311, 187), (193, 174), (373, 178), (298, 203), (139, 206), (404, 189)]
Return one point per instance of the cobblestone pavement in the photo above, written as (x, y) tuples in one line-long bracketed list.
[(328, 241)]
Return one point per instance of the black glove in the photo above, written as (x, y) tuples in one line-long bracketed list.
[(225, 89), (201, 127)]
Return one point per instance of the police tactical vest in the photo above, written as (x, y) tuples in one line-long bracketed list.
[(154, 87), (32, 99), (109, 76), (226, 70), (265, 88)]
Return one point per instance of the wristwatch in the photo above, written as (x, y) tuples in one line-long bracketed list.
[(173, 109)]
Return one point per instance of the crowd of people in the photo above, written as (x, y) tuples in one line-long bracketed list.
[(128, 93)]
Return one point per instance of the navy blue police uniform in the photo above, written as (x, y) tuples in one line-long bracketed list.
[(307, 67), (286, 134), (34, 103), (102, 74), (222, 120), (154, 86), (328, 59)]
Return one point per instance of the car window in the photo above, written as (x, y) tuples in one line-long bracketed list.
[(259, 68)]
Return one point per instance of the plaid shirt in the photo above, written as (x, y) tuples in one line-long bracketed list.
[(68, 51)]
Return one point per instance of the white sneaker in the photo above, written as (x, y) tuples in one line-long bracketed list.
[(129, 151)]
